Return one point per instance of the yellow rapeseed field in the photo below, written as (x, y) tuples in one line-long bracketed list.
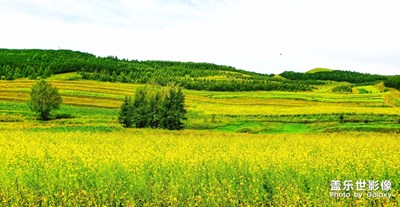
[(192, 168)]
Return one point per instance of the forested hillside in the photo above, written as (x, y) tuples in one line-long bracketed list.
[(199, 76), (36, 64)]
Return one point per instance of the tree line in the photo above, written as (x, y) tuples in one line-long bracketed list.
[(336, 75), (154, 108), (201, 83), (241, 85), (393, 82)]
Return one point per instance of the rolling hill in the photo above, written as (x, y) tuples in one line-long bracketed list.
[(217, 97), (250, 139)]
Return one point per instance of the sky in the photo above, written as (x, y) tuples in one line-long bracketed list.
[(266, 36)]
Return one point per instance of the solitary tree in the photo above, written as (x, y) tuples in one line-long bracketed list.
[(44, 98)]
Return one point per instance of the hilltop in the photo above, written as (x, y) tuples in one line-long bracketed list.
[(316, 70)]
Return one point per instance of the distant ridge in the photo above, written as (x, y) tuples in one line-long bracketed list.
[(316, 70)]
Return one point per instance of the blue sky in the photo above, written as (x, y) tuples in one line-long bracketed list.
[(264, 36)]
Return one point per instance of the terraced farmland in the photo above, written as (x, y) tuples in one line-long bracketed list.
[(240, 149)]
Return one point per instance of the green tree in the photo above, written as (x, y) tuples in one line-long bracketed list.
[(43, 99), (179, 108), (393, 82), (173, 110), (47, 72), (140, 109), (154, 109), (126, 113)]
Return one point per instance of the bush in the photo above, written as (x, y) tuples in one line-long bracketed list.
[(63, 116), (343, 89), (341, 118)]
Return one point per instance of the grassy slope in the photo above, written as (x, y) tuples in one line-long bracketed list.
[(250, 112), (316, 70)]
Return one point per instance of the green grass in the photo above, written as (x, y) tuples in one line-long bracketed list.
[(268, 128), (316, 70), (396, 102), (290, 128), (65, 76), (75, 118), (368, 89), (328, 87), (241, 127), (375, 127), (363, 91), (21, 108), (265, 128)]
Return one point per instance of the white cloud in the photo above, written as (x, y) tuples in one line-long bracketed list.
[(248, 34)]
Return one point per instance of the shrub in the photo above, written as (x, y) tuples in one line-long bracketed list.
[(63, 116)]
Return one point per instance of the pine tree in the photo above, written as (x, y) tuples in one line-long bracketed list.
[(47, 72), (122, 77), (32, 74), (9, 73), (17, 73), (39, 73), (113, 76)]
